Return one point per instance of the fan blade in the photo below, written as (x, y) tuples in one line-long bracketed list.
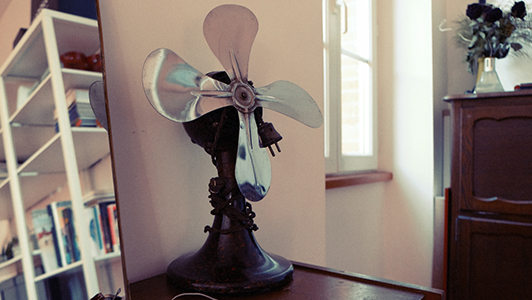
[(178, 91), (252, 170), (230, 31), (98, 104), (291, 100)]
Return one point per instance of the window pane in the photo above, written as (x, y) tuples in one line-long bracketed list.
[(356, 38), (356, 101), (356, 110)]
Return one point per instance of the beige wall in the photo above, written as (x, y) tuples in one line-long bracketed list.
[(16, 16)]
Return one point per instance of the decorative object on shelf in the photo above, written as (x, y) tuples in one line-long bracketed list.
[(95, 62), (79, 61), (222, 113), (487, 31), (10, 250), (489, 81), (74, 60)]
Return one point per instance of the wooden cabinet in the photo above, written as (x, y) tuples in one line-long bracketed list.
[(490, 209)]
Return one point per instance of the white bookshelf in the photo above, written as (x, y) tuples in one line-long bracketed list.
[(40, 160)]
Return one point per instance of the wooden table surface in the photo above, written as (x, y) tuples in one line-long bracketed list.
[(310, 282)]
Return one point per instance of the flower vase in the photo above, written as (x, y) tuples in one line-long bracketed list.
[(480, 69), (489, 81)]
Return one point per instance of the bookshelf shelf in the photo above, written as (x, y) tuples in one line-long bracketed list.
[(10, 262), (90, 145), (41, 153), (42, 100), (51, 274), (108, 257)]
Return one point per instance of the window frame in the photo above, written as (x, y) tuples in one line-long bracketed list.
[(335, 162)]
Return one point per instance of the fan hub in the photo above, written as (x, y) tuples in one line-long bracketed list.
[(243, 97)]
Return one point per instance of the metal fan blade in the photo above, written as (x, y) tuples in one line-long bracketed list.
[(230, 31), (178, 91), (291, 100), (252, 170), (98, 104)]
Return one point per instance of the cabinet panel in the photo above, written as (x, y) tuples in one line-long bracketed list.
[(496, 160), (494, 260), (502, 159)]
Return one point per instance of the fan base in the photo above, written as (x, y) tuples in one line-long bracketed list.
[(230, 264)]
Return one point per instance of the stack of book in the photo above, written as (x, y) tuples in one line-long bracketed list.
[(102, 221), (56, 233), (79, 109)]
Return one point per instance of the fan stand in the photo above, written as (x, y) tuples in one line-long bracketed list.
[(230, 261)]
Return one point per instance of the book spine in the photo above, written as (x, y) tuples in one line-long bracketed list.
[(106, 230), (71, 243), (113, 225), (44, 228), (57, 237), (93, 224)]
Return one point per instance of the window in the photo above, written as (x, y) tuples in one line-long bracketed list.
[(350, 86)]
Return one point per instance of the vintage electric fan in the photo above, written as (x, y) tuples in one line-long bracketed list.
[(222, 112)]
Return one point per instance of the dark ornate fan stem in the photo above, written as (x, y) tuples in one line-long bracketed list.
[(224, 205)]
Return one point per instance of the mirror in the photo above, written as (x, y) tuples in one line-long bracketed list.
[(161, 177)]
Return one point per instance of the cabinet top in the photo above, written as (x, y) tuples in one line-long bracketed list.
[(489, 96)]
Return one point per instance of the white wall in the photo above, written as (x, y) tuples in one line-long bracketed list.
[(162, 177)]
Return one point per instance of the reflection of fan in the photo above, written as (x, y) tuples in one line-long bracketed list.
[(222, 112)]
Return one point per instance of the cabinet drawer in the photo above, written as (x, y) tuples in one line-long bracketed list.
[(494, 260)]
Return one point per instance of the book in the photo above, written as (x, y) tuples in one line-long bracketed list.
[(79, 109), (113, 226), (64, 232), (92, 214), (105, 225), (105, 210), (69, 234), (77, 95), (44, 227)]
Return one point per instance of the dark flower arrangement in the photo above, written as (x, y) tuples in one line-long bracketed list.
[(487, 31)]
